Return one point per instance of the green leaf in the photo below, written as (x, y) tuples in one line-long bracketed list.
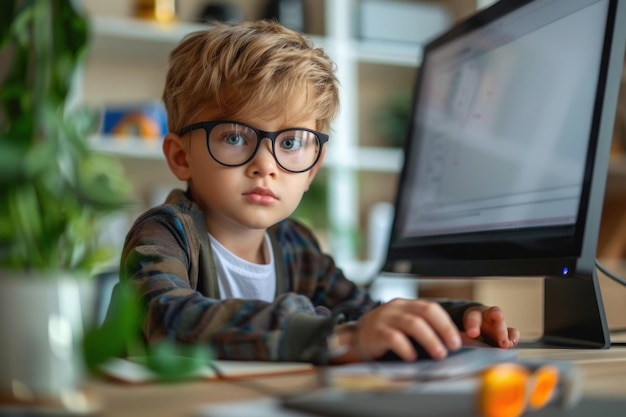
[(121, 328), (24, 209), (70, 34), (100, 345), (6, 17), (101, 182), (20, 24), (38, 160), (11, 157), (176, 362), (120, 335)]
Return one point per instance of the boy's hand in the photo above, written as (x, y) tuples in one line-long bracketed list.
[(389, 327), (488, 322)]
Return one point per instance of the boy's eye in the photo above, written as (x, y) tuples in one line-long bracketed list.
[(292, 143), (235, 139)]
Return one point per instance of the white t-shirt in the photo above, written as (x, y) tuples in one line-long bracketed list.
[(238, 278)]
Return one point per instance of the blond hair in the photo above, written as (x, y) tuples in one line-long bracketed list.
[(248, 69)]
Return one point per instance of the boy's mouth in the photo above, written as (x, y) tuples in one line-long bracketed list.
[(260, 195)]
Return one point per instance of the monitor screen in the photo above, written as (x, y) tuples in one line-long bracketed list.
[(506, 154)]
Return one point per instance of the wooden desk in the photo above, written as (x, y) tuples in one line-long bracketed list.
[(184, 399), (604, 375)]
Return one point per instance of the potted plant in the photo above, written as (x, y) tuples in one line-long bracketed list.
[(53, 193)]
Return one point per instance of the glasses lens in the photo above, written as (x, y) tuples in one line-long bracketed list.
[(297, 150), (232, 143)]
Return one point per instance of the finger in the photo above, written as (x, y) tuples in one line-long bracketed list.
[(493, 315), (376, 343), (425, 335), (432, 313), (496, 333), (472, 321), (439, 322), (400, 344), (424, 321), (514, 336), (494, 324), (442, 324), (387, 328)]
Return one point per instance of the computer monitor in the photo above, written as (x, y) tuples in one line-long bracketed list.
[(507, 153)]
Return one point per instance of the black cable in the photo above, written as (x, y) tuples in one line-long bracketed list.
[(619, 280), (609, 274), (619, 330)]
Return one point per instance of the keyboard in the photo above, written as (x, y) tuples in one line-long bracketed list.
[(464, 361)]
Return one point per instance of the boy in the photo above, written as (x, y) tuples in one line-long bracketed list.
[(248, 109)]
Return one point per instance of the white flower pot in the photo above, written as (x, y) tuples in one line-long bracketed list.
[(41, 327)]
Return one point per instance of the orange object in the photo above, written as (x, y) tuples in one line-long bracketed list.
[(503, 391), (507, 389), (137, 124), (544, 381)]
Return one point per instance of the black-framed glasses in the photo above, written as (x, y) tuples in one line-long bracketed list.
[(234, 144)]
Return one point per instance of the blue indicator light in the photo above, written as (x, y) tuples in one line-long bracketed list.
[(565, 270)]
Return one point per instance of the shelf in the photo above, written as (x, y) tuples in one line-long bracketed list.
[(125, 36), (128, 146), (380, 159), (368, 159), (388, 53), (140, 38), (143, 30)]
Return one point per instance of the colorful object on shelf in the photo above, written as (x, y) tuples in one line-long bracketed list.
[(144, 121), (162, 11)]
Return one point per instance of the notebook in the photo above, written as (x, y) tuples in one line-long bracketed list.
[(134, 372)]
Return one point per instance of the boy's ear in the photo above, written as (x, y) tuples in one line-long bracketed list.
[(175, 153), (313, 171)]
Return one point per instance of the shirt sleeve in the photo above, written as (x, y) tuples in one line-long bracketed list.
[(456, 309), (313, 273)]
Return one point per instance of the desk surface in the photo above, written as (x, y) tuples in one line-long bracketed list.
[(604, 375)]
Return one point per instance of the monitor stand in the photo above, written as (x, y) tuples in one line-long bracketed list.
[(573, 315)]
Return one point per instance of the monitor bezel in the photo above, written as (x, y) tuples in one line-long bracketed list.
[(547, 251)]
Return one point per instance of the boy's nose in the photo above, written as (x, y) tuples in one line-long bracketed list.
[(264, 162)]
